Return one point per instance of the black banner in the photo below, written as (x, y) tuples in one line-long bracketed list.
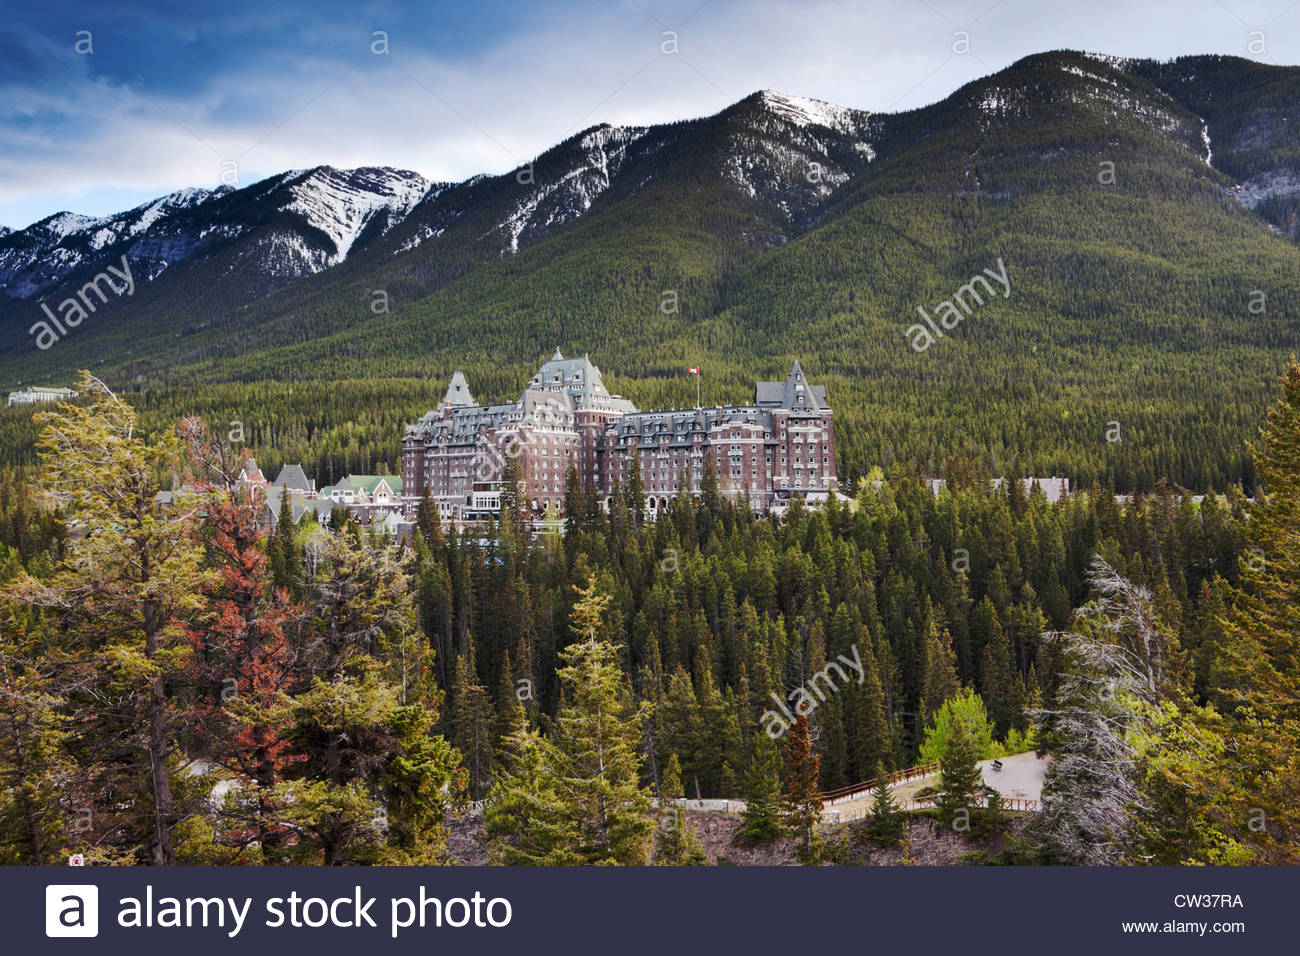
[(632, 911)]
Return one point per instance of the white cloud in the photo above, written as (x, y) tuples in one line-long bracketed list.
[(450, 118)]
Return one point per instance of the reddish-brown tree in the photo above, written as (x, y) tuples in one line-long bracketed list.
[(244, 661), (802, 800)]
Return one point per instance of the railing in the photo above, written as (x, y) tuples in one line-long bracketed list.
[(890, 779), (1014, 804), (711, 806)]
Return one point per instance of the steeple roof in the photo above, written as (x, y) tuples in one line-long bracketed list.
[(798, 394), (458, 391), (794, 393)]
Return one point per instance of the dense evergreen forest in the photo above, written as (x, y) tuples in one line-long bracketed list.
[(180, 687)]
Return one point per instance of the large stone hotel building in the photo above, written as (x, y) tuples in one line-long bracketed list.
[(781, 445)]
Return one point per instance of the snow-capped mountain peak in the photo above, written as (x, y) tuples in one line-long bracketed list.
[(805, 111), (298, 222), (342, 203)]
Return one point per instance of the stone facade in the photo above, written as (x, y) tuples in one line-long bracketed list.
[(782, 444)]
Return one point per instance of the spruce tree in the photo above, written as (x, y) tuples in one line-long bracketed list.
[(762, 815), (802, 801), (597, 736), (576, 797), (472, 721), (959, 777), (675, 841), (286, 560), (886, 817)]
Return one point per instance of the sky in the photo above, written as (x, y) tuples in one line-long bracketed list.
[(104, 106)]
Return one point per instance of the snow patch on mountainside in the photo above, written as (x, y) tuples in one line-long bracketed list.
[(421, 235), (64, 224), (555, 200), (804, 111), (341, 203), (1117, 104), (187, 198), (1089, 75), (336, 207), (48, 250), (1118, 62), (1255, 190)]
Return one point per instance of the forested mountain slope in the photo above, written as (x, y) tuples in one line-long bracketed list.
[(1150, 296)]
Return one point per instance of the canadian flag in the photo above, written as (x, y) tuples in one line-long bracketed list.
[(694, 371)]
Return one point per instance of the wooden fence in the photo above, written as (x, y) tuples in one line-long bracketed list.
[(843, 794)]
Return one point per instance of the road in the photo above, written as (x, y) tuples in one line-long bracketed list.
[(1019, 780)]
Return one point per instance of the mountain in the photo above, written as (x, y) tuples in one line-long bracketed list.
[(262, 237), (1251, 127), (1135, 207)]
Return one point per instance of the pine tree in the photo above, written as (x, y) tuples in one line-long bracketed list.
[(575, 502), (244, 661), (1255, 673), (634, 491), (576, 798), (368, 780), (886, 817), (802, 801), (286, 561), (40, 779), (940, 680), (511, 719), (1109, 685), (675, 841), (122, 594), (472, 720), (429, 524), (528, 816), (905, 841), (997, 685), (597, 736), (359, 594), (959, 777), (762, 815), (870, 737)]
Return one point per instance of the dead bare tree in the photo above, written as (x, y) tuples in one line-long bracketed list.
[(1114, 665)]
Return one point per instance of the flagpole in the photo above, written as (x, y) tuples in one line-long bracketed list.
[(697, 390)]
